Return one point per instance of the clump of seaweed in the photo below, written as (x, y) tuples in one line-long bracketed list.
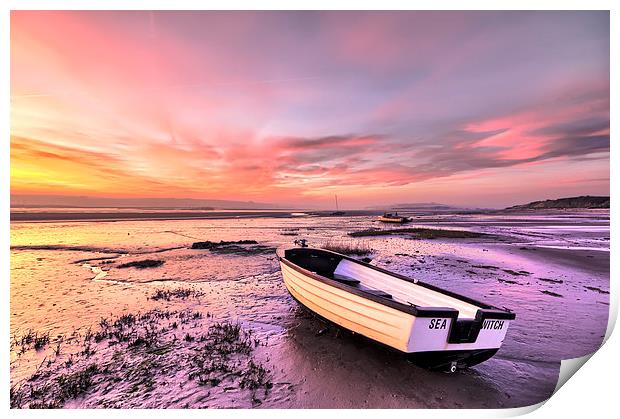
[(421, 233), (258, 249), (142, 264), (239, 247), (177, 293), (209, 245), (348, 247)]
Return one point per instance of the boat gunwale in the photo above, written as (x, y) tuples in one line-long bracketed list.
[(485, 311)]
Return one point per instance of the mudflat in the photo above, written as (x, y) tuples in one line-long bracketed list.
[(128, 314)]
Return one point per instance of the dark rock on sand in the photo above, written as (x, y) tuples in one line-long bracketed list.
[(142, 264), (485, 267), (553, 281), (599, 290), (551, 293), (507, 281), (515, 273), (209, 245)]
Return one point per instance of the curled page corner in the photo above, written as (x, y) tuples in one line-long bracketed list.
[(568, 368), (519, 411)]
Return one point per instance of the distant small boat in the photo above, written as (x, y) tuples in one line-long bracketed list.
[(388, 217), (436, 328)]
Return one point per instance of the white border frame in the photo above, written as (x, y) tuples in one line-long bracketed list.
[(591, 393)]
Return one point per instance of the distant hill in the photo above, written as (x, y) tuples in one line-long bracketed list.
[(574, 202), (424, 205), (414, 206), (66, 201)]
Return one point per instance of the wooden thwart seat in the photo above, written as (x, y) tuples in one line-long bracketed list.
[(346, 279), (378, 293), (357, 284)]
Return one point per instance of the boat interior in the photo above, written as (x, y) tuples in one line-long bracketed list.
[(372, 281)]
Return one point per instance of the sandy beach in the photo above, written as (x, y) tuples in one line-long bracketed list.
[(95, 324)]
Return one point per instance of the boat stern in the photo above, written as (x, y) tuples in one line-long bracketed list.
[(438, 337)]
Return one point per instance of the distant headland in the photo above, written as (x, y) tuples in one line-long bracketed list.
[(564, 203)]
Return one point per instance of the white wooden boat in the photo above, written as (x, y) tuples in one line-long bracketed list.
[(434, 327), (388, 217)]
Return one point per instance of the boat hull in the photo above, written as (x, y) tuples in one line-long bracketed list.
[(424, 338), (357, 314), (434, 360), (445, 359), (399, 220)]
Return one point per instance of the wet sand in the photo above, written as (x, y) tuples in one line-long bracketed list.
[(66, 277)]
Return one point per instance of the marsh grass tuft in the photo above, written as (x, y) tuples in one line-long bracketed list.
[(30, 340), (348, 247), (255, 376), (140, 353), (72, 385), (40, 341), (176, 293), (224, 356)]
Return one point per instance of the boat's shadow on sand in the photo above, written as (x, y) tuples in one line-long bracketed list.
[(336, 368)]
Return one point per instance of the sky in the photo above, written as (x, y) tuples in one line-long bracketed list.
[(485, 109)]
